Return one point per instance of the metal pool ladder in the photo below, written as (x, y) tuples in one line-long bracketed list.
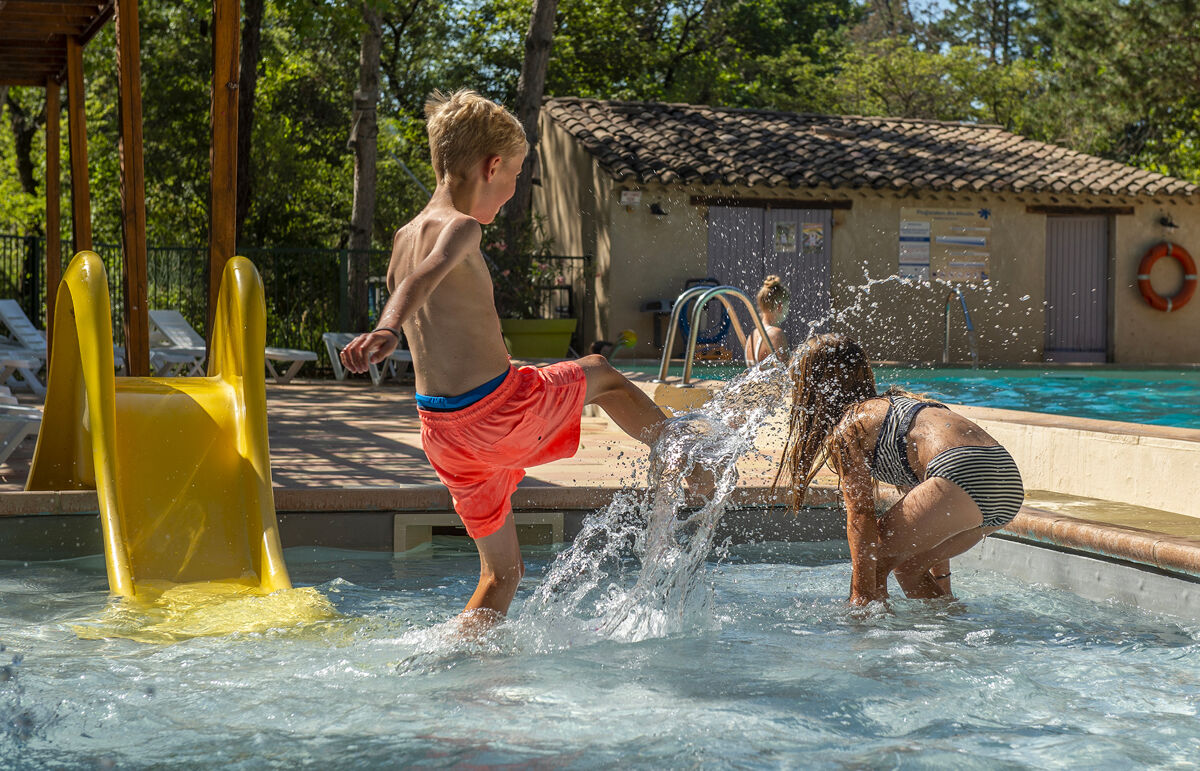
[(705, 294), (962, 301)]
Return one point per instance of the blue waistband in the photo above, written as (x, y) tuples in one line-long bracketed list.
[(450, 403)]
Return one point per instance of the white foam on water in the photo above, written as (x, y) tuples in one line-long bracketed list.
[(636, 569)]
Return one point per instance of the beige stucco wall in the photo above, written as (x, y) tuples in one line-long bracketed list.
[(905, 320), (565, 201), (652, 258), (1140, 333)]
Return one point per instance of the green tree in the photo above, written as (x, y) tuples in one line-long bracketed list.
[(1125, 80)]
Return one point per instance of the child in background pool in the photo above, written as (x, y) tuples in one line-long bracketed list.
[(959, 484), (483, 421), (772, 300)]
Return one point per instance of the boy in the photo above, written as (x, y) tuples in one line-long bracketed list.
[(483, 421)]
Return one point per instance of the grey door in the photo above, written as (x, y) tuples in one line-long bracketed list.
[(746, 244), (796, 248), (1077, 290)]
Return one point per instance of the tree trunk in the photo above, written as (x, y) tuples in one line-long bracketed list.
[(251, 52), (363, 133), (530, 88)]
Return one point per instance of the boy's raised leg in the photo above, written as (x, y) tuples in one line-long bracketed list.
[(629, 406)]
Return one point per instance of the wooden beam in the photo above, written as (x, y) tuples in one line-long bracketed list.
[(53, 213), (81, 202), (102, 17), (53, 10), (770, 203), (133, 189), (27, 34), (1078, 211), (222, 213), (24, 79)]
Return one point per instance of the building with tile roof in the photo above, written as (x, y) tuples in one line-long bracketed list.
[(873, 223)]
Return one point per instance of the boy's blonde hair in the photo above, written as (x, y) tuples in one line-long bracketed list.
[(773, 294), (465, 127)]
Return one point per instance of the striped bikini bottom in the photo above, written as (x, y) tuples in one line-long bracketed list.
[(987, 474)]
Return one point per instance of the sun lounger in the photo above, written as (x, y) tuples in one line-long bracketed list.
[(295, 358), (395, 364), (22, 349), (185, 340), (173, 329), (16, 423), (20, 371)]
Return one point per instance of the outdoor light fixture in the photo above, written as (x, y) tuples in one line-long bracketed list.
[(1167, 222), (657, 210)]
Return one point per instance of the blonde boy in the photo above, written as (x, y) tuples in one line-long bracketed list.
[(483, 421)]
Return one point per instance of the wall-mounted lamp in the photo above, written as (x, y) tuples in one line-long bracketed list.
[(657, 210), (1167, 222)]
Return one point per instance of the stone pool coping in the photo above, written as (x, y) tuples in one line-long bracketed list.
[(1173, 554)]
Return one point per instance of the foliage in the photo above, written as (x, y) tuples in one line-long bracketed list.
[(1125, 81), (1116, 78), (521, 270), (890, 78)]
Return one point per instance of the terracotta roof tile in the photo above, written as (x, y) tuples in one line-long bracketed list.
[(681, 144)]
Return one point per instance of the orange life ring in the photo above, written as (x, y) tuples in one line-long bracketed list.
[(1180, 298)]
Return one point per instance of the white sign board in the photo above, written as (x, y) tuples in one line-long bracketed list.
[(945, 244)]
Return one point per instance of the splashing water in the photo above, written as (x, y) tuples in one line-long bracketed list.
[(636, 569)]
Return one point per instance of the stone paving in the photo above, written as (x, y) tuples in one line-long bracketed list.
[(333, 434)]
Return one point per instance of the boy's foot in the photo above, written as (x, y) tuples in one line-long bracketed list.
[(701, 483)]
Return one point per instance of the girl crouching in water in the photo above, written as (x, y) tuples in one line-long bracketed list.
[(959, 484)]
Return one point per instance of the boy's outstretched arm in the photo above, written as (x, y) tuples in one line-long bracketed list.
[(455, 242)]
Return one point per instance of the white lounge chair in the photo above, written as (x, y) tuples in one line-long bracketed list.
[(293, 356), (189, 347), (186, 341), (22, 350), (16, 423), (163, 360), (399, 360)]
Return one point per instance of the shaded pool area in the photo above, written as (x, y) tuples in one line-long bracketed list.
[(774, 671), (1163, 397)]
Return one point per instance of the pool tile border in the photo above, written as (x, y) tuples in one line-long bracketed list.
[(1173, 554)]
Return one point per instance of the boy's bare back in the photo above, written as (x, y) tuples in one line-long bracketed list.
[(454, 335)]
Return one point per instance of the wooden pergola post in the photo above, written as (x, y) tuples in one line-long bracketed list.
[(53, 214), (81, 205), (133, 189), (222, 213)]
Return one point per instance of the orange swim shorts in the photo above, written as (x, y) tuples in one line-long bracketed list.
[(481, 451)]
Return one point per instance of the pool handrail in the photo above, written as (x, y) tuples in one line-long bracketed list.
[(962, 301), (706, 294), (673, 325)]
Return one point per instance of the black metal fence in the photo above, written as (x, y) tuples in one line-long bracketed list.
[(305, 289)]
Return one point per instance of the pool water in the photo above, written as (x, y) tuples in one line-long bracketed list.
[(777, 671), (1164, 398), (1157, 397)]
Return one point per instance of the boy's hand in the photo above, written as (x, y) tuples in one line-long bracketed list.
[(367, 349)]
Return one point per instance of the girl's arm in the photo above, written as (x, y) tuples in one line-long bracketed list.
[(862, 526)]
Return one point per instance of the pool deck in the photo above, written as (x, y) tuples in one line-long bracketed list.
[(347, 446)]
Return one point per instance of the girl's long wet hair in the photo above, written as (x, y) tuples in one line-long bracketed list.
[(831, 377)]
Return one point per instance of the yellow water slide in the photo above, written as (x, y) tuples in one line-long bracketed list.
[(180, 464)]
